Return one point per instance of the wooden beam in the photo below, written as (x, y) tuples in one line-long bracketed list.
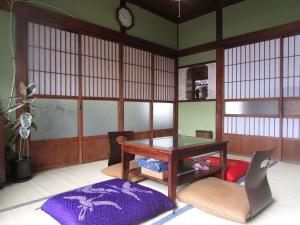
[(197, 49)]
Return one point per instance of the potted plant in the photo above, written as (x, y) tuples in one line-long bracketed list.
[(17, 150)]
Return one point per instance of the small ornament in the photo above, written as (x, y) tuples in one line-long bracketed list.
[(24, 132), (31, 89), (26, 119), (201, 164)]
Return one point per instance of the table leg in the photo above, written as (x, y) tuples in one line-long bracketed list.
[(223, 159), (172, 177), (125, 164)]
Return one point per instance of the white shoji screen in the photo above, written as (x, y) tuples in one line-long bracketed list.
[(252, 79), (253, 126), (252, 71), (164, 74), (291, 66), (137, 74), (100, 66), (53, 60), (291, 128), (291, 84)]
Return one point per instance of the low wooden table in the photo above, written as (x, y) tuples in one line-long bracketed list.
[(173, 150)]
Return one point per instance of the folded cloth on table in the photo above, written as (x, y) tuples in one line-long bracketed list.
[(152, 164)]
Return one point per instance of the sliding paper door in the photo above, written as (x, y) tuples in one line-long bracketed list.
[(252, 93), (100, 93), (88, 86), (164, 91), (137, 91), (291, 99), (53, 66)]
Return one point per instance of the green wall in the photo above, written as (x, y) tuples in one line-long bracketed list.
[(197, 58), (153, 28), (253, 15), (148, 26), (5, 59), (196, 116), (94, 11), (240, 18), (197, 31)]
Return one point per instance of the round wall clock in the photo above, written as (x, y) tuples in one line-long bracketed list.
[(125, 17)]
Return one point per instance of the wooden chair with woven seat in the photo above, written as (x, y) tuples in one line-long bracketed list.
[(231, 200), (204, 134), (114, 168)]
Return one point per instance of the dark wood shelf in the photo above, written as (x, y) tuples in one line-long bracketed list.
[(137, 172), (198, 100), (186, 175), (194, 175)]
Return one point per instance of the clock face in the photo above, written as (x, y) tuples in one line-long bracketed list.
[(125, 17)]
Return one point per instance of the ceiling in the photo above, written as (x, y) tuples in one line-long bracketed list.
[(189, 8)]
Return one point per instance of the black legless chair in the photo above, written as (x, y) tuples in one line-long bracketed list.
[(115, 155), (256, 183), (114, 168), (231, 200)]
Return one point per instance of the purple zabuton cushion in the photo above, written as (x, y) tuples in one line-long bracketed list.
[(110, 202)]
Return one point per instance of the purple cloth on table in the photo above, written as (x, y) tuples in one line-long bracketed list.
[(110, 202)]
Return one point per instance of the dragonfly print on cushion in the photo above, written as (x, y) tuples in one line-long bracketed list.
[(91, 190), (110, 202), (88, 204), (128, 190)]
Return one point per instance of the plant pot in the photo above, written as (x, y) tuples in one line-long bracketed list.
[(20, 170)]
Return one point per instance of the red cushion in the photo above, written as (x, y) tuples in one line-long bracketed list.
[(235, 168)]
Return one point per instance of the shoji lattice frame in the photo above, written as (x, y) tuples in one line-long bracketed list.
[(53, 60), (253, 73), (259, 67), (100, 67), (281, 130), (93, 66), (164, 79), (291, 87), (137, 74), (291, 66)]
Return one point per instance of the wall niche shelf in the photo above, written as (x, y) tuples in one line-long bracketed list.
[(197, 83)]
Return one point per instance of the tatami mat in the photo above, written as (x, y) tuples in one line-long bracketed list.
[(20, 203)]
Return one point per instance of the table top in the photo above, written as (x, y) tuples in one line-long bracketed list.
[(173, 143)]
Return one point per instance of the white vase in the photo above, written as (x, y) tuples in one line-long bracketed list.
[(24, 132), (25, 120)]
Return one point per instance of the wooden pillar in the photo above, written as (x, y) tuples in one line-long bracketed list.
[(152, 96), (80, 102), (175, 112), (121, 89), (219, 74)]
